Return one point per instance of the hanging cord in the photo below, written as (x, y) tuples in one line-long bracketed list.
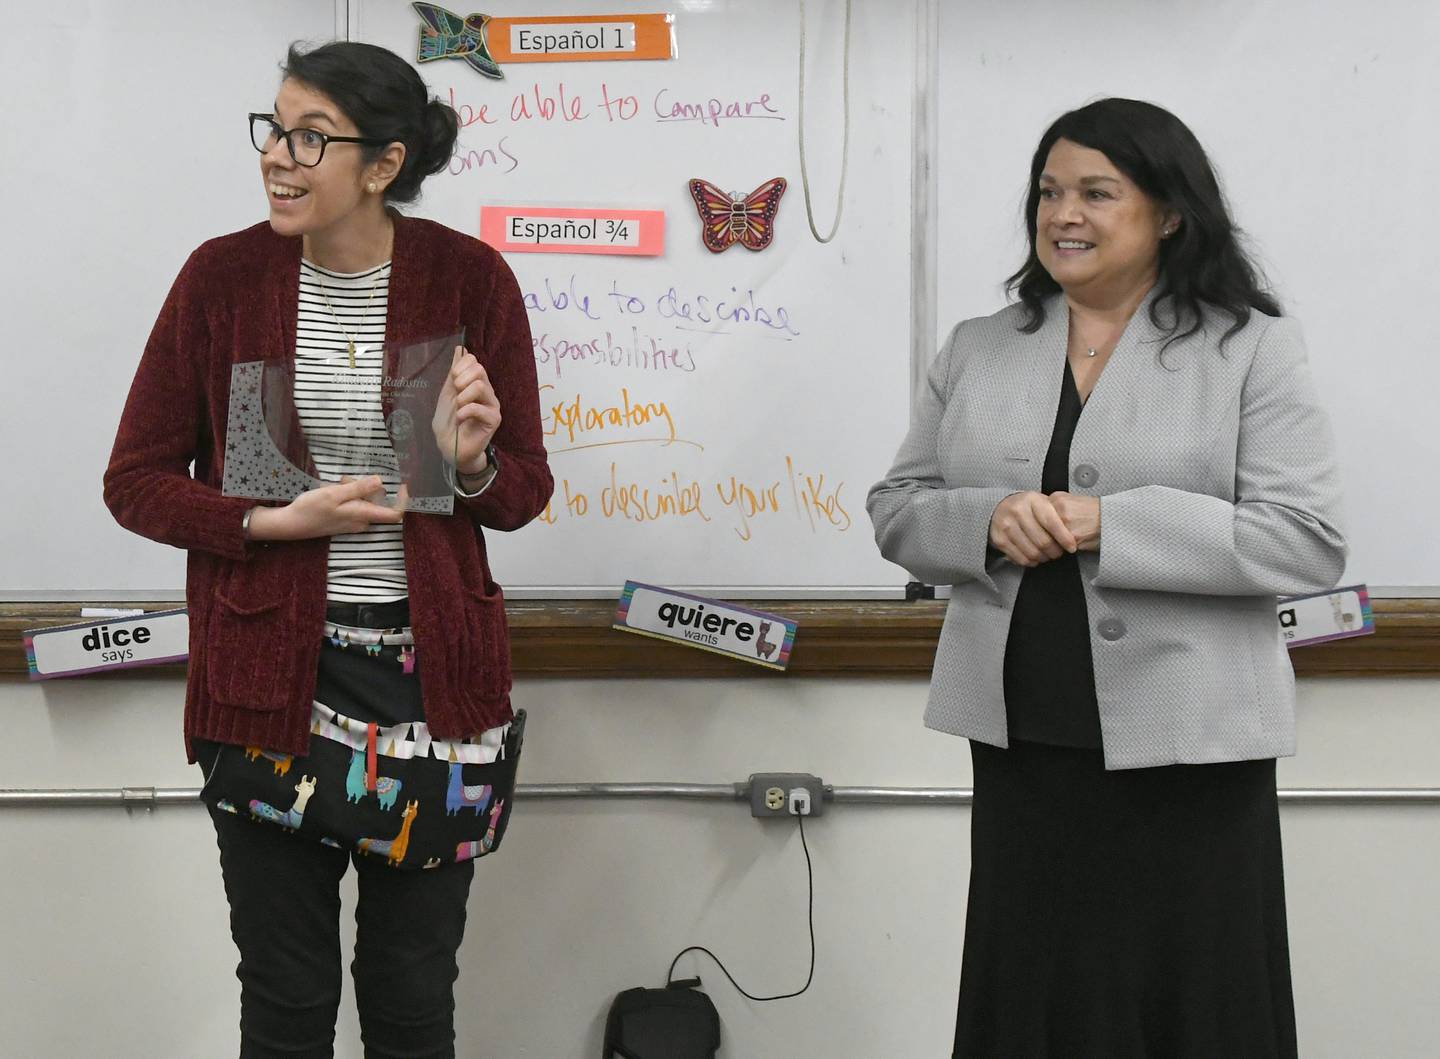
[(845, 135), (810, 878)]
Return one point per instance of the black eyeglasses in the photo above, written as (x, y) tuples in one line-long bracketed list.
[(307, 146)]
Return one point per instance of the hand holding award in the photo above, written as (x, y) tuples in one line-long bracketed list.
[(363, 420), (349, 507), (466, 415)]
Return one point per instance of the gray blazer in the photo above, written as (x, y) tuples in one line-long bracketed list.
[(1218, 492)]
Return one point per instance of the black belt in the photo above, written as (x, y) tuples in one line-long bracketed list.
[(394, 615)]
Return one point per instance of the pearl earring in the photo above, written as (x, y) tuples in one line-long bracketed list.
[(372, 187)]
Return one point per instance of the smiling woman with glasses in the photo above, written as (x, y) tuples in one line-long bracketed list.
[(276, 593)]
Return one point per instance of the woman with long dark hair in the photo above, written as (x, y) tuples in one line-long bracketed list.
[(1119, 474), (338, 614)]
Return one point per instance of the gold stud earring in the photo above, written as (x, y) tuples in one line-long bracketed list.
[(372, 187)]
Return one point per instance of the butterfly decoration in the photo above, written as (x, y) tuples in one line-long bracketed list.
[(446, 35), (729, 219)]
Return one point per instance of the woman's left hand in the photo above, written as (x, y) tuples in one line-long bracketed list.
[(467, 414), (1081, 515)]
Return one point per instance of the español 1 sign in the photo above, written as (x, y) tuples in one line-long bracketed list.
[(580, 38)]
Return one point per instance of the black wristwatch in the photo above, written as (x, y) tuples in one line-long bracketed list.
[(483, 478)]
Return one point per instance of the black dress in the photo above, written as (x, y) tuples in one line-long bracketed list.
[(1125, 914)]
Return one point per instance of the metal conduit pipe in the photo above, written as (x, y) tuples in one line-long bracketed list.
[(1291, 796), (154, 797)]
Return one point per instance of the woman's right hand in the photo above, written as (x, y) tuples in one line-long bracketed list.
[(349, 507), (1028, 530)]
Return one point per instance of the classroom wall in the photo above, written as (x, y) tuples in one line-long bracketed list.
[(114, 923), (1311, 112)]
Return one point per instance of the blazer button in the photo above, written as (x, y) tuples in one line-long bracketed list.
[(1112, 629), (1086, 475)]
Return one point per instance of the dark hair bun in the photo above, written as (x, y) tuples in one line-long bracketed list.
[(442, 126), (386, 99)]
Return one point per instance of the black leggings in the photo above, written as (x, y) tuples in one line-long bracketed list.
[(284, 893)]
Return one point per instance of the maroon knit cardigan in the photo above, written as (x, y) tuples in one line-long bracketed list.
[(257, 608)]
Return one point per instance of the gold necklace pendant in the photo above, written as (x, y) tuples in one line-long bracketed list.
[(325, 294)]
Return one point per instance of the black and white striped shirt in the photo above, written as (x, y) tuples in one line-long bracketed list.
[(339, 408)]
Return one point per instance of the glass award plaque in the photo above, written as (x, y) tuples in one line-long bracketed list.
[(297, 424)]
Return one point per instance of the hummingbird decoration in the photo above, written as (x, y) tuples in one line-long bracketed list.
[(446, 35)]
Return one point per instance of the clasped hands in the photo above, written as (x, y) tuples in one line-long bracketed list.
[(1031, 528)]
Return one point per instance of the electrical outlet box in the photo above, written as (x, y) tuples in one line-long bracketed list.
[(770, 793)]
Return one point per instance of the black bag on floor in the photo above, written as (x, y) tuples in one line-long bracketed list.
[(677, 1022)]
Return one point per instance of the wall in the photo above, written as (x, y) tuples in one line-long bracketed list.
[(121, 919), (1310, 111)]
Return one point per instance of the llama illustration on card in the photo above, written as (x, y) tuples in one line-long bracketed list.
[(763, 647)]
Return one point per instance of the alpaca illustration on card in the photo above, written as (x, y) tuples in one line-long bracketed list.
[(763, 647)]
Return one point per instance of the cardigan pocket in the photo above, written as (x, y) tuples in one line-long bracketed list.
[(248, 664), (486, 652)]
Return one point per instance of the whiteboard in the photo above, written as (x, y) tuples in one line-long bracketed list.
[(126, 147), (1321, 118), (1319, 121), (778, 427)]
